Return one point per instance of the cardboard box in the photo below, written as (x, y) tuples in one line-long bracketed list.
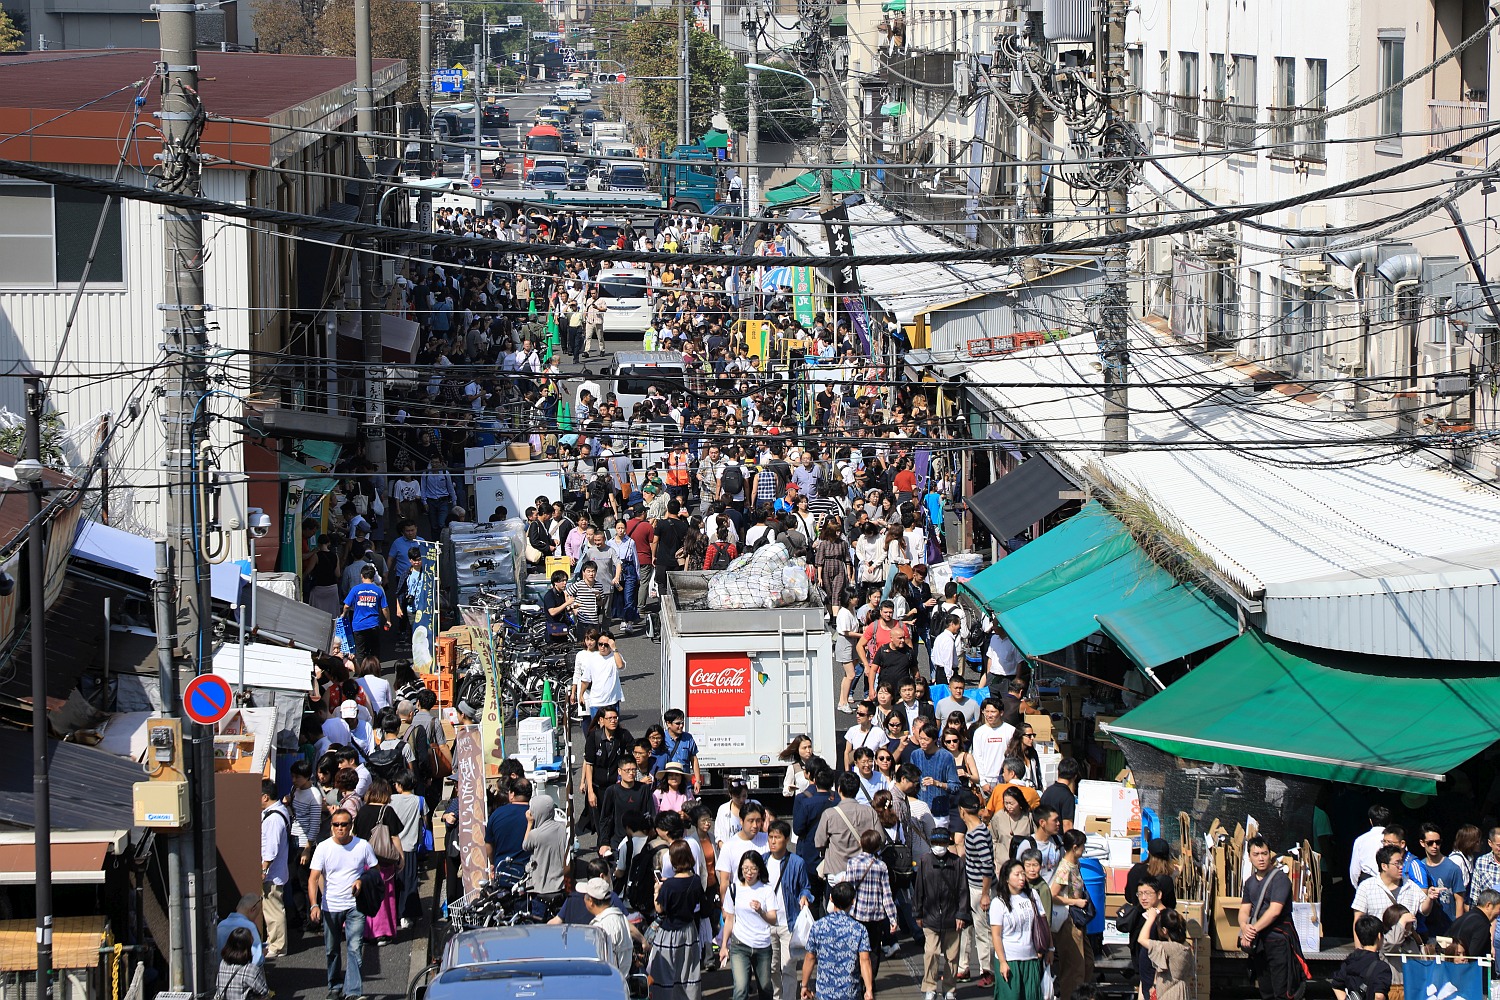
[(536, 725), (1042, 726), (1202, 968), (1096, 826), (1193, 911), (1227, 923), (1114, 879)]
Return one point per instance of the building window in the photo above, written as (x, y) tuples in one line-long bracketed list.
[(1218, 93), (1284, 108), (1392, 69), (1314, 133), (1241, 109), (46, 232), (1163, 91), (1186, 100), (1135, 69)]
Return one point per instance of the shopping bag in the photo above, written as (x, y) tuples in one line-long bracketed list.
[(802, 928)]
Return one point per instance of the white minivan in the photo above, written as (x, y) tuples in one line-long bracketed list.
[(624, 290)]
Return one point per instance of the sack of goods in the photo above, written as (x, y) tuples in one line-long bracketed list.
[(765, 578)]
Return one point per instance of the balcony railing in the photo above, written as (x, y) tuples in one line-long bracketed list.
[(1213, 126), (1453, 121), (1185, 108), (1240, 131), (1313, 135), (1283, 133)]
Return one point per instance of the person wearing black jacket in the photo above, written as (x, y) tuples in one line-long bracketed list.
[(625, 799), (1365, 975), (940, 903), (607, 744)]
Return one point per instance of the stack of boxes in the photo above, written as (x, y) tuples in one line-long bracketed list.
[(536, 743)]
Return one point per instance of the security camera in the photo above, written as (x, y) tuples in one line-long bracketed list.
[(260, 522)]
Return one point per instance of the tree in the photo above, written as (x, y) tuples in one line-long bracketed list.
[(650, 49), (288, 26), (13, 437), (395, 33), (11, 39), (784, 104)]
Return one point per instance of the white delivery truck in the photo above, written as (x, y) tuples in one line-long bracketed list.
[(514, 485), (749, 680)]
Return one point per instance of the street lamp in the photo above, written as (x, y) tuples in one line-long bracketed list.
[(825, 139)]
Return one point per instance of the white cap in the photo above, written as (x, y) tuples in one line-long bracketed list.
[(595, 888), (349, 709)]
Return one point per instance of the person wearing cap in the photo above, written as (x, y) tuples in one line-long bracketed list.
[(787, 502), (597, 897), (940, 905)]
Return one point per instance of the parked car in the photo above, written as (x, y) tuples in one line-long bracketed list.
[(535, 962), (547, 179)]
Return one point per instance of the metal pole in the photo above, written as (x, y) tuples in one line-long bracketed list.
[(1114, 347), (424, 59), (752, 101), (36, 586), (825, 144), (186, 421), (373, 429), (166, 638), (684, 102)]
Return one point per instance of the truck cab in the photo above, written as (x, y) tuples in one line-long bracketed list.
[(690, 178)]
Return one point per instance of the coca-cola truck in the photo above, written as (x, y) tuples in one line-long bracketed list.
[(749, 681)]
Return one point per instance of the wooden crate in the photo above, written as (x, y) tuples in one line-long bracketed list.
[(440, 684)]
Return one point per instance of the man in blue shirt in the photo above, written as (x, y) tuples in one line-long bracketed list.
[(680, 745), (402, 546), (506, 828), (939, 771), (369, 611), (437, 494), (807, 810), (838, 951)]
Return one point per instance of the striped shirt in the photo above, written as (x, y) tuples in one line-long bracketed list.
[(590, 598), (979, 856)]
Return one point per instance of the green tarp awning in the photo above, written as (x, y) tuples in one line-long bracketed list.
[(1391, 723), (1167, 627), (1065, 615), (714, 139), (805, 186), (1080, 545)]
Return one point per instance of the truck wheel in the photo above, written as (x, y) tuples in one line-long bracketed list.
[(503, 212)]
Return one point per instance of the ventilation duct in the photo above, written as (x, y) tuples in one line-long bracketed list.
[(1401, 268), (1354, 257), (1306, 241)]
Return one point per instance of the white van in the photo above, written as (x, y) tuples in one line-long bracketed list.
[(608, 132), (623, 288), (637, 371)]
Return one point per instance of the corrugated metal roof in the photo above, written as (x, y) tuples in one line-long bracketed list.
[(905, 289), (90, 788), (1351, 537)]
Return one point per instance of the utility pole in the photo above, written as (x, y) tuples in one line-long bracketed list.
[(29, 471), (424, 60), (684, 102), (751, 24), (369, 314), (1039, 115), (1114, 309), (187, 427), (166, 642), (825, 144)]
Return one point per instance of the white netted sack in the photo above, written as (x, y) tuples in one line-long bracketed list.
[(753, 580)]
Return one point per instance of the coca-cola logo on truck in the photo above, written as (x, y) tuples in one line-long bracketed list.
[(718, 685)]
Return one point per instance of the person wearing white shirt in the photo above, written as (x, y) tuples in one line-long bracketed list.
[(944, 652), (864, 734), (1002, 660), (609, 919), (750, 838), (338, 865), (1362, 854), (376, 688), (600, 684), (989, 741)]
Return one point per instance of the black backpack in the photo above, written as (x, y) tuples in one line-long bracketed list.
[(640, 879), (384, 764), (732, 482), (723, 555)]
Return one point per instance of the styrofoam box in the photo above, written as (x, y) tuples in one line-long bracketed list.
[(535, 726)]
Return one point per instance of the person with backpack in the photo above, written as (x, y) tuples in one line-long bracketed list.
[(721, 551), (732, 481)]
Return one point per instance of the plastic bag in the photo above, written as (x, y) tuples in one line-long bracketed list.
[(1049, 984), (802, 928)]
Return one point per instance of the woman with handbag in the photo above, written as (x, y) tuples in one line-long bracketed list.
[(1070, 900), (1020, 935), (378, 823)]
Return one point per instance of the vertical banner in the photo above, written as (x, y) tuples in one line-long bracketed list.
[(840, 245), (468, 772), (1431, 979), (859, 321), (802, 299), (491, 731), (424, 610)]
